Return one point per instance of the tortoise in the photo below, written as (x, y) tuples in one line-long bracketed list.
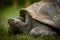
[(40, 18)]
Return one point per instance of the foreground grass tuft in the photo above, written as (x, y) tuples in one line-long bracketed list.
[(25, 36)]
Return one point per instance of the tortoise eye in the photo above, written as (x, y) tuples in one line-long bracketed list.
[(22, 15)]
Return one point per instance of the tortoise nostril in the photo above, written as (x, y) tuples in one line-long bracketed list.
[(10, 21)]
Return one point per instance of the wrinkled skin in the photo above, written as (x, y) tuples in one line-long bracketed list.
[(34, 27), (18, 27), (12, 27)]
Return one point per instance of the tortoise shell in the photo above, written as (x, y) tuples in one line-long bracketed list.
[(43, 12)]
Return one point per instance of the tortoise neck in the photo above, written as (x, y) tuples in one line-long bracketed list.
[(26, 18)]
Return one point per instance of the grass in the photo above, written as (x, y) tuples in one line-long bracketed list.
[(9, 12)]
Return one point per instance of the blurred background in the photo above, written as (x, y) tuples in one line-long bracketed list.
[(9, 9)]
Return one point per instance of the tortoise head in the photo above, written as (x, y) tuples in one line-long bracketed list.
[(23, 12)]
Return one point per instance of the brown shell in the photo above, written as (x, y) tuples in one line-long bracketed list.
[(33, 10)]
